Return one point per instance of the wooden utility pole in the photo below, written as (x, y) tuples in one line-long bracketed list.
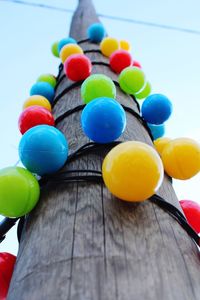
[(81, 243)]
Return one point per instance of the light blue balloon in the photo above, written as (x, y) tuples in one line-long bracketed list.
[(103, 120), (157, 131), (96, 32), (43, 149), (44, 89), (66, 41)]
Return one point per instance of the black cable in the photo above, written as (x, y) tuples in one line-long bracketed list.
[(142, 121), (64, 176), (91, 147), (79, 83), (64, 76), (5, 225), (132, 96), (93, 51), (156, 199), (83, 41), (177, 215), (68, 113), (66, 90), (100, 63), (126, 108)]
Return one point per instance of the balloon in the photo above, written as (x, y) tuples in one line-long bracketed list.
[(157, 131), (7, 263), (156, 109), (132, 171), (44, 89), (137, 64), (125, 45), (108, 46), (68, 50), (97, 85), (37, 100), (33, 116), (160, 143), (64, 42), (119, 60), (96, 32), (19, 192), (191, 210), (43, 149), (47, 78), (54, 49), (77, 67), (145, 92), (181, 158), (97, 122), (131, 80)]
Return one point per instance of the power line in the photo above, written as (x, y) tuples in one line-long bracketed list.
[(40, 5), (116, 18), (152, 24)]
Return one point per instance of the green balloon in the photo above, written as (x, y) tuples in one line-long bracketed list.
[(145, 92), (47, 78), (54, 49), (131, 80), (97, 85), (19, 192)]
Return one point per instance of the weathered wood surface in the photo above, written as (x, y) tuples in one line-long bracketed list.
[(80, 243)]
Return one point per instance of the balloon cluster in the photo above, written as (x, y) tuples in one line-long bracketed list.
[(132, 171), (77, 66), (99, 93), (43, 149)]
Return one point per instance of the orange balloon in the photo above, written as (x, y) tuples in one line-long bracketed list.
[(125, 45), (161, 143), (181, 158)]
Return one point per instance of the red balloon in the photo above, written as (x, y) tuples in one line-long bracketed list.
[(136, 64), (77, 67), (191, 210), (33, 116), (7, 262), (120, 60)]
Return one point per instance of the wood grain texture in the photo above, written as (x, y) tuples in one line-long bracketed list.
[(80, 243)]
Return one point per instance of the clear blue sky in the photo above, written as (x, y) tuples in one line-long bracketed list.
[(170, 60)]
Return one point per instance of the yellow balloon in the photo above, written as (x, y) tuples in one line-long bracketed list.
[(181, 158), (109, 45), (132, 171), (161, 143), (125, 45), (37, 100), (68, 50)]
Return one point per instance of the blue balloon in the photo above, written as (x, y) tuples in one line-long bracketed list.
[(96, 32), (43, 149), (157, 131), (64, 42), (103, 120), (156, 109), (43, 89)]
